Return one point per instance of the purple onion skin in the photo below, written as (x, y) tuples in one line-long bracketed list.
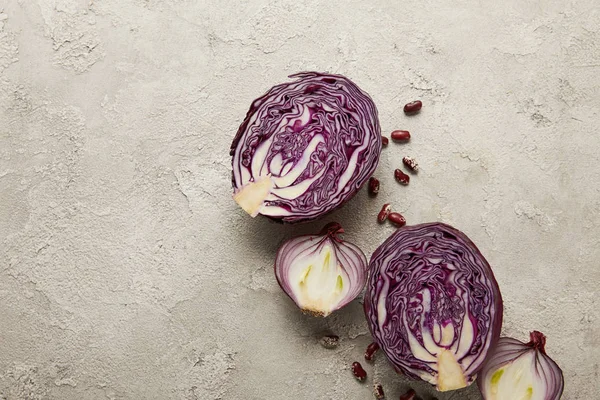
[(405, 262), (348, 256), (509, 349), (350, 136)]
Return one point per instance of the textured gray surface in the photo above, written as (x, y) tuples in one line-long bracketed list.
[(126, 270)]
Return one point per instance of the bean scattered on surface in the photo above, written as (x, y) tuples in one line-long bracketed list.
[(401, 177), (330, 341), (384, 141), (400, 136), (413, 107), (410, 395), (378, 391), (371, 350), (373, 186), (358, 371), (385, 211), (411, 164), (397, 219)]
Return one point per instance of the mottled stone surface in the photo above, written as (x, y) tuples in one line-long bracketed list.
[(127, 271)]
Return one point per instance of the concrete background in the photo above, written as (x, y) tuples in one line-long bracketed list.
[(128, 272)]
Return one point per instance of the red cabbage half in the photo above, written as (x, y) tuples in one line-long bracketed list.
[(433, 304), (305, 148)]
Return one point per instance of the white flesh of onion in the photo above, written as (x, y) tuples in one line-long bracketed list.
[(515, 381), (318, 282)]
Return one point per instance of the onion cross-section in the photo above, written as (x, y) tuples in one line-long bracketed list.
[(321, 273), (521, 371)]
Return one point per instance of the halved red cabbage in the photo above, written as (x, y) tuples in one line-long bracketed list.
[(433, 304), (305, 148)]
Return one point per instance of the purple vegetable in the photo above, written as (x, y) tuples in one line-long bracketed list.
[(517, 370), (305, 148), (321, 273), (433, 304)]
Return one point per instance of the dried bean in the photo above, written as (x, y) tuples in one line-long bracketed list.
[(385, 211), (384, 141), (397, 219), (359, 373), (371, 350), (400, 136), (378, 391), (373, 186), (411, 164), (413, 107), (401, 177), (330, 341), (410, 395)]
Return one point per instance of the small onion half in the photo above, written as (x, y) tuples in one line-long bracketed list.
[(321, 273), (521, 371), (433, 304)]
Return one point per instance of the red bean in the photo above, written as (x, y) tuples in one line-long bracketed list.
[(413, 107), (397, 219), (385, 211), (330, 341), (410, 395), (378, 391), (371, 350), (400, 136), (401, 177), (384, 141), (359, 373), (411, 164), (373, 186)]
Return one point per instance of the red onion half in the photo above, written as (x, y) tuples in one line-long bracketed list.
[(521, 371), (305, 148), (433, 304), (321, 273)]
